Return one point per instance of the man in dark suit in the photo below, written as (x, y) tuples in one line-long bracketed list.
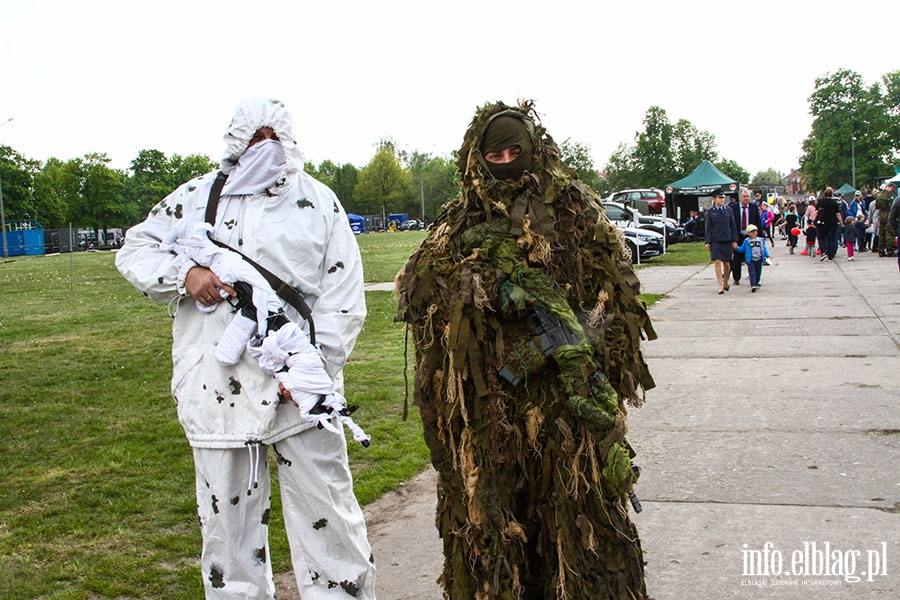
[(745, 213), (828, 223)]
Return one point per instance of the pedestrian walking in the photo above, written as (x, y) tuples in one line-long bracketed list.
[(810, 235), (791, 222), (754, 251), (827, 220), (721, 239), (849, 236)]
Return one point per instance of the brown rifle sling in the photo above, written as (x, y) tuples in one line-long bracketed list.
[(286, 292)]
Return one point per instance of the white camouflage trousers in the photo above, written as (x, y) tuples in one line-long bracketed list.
[(325, 526)]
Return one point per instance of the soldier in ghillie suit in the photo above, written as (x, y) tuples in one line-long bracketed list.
[(886, 234), (527, 326)]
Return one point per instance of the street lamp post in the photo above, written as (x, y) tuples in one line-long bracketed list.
[(3, 222), (852, 147), (2, 214), (422, 192)]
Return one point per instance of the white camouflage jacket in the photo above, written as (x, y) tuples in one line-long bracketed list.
[(299, 231)]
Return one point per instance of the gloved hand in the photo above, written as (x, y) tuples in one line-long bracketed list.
[(190, 238)]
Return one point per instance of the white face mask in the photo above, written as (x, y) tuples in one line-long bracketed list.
[(258, 169)]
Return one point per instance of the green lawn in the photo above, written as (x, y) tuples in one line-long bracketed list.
[(98, 482), (692, 253), (383, 254), (98, 497)]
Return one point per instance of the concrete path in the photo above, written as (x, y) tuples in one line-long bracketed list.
[(774, 431), (772, 441)]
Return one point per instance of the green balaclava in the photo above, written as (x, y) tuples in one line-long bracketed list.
[(503, 131)]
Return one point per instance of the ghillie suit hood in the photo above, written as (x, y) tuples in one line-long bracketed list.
[(527, 326)]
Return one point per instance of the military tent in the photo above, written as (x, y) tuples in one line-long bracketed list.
[(684, 195), (845, 189)]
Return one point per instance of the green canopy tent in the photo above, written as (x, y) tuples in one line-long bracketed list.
[(845, 189), (685, 194)]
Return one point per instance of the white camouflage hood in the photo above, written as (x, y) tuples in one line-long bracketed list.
[(250, 115)]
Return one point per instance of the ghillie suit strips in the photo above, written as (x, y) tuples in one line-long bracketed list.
[(527, 327), (886, 234)]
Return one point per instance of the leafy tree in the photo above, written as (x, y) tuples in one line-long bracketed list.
[(17, 177), (151, 180), (412, 161), (768, 177), (733, 170), (654, 158), (341, 179), (851, 137), (50, 194), (690, 147), (325, 172), (310, 167), (432, 181), (621, 170), (189, 167), (344, 184), (383, 184), (664, 153), (604, 188), (94, 192), (101, 201), (891, 83), (578, 157), (154, 176), (436, 183), (388, 143)]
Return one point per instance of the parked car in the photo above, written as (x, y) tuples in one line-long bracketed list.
[(625, 215), (642, 242), (412, 225), (655, 199)]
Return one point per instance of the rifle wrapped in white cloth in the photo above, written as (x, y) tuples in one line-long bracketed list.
[(261, 326), (287, 354), (191, 239)]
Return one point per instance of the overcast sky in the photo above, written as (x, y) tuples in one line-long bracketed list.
[(118, 77)]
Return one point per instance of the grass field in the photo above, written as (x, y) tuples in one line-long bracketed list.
[(98, 497), (384, 253), (679, 255)]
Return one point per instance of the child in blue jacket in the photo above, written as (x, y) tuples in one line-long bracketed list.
[(755, 252)]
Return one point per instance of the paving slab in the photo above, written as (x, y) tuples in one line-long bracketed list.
[(703, 551), (788, 397), (782, 346), (769, 327), (769, 467), (662, 280)]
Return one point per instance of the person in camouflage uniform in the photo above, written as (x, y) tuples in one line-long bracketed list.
[(886, 233), (527, 327)]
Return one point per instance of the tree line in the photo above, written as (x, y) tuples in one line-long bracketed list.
[(394, 181), (855, 134), (88, 193), (855, 138)]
